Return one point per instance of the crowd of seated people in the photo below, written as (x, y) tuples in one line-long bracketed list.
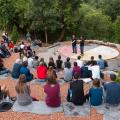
[(72, 73)]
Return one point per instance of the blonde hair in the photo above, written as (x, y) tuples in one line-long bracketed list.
[(20, 87)]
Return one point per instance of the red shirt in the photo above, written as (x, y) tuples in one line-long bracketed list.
[(53, 98), (11, 45), (41, 72), (76, 70)]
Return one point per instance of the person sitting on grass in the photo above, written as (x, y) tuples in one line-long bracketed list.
[(23, 91), (52, 90), (24, 70), (76, 91), (96, 93), (16, 69)]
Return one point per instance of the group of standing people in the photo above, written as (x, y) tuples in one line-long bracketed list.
[(74, 44)]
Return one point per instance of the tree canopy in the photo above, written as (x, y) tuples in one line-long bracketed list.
[(55, 20)]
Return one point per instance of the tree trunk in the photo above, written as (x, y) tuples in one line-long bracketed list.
[(61, 35), (46, 37)]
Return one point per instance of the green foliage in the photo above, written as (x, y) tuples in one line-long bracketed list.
[(118, 77), (15, 35), (116, 29), (95, 19)]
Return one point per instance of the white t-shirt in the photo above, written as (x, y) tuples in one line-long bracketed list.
[(30, 62), (80, 63), (22, 46), (95, 71), (25, 59)]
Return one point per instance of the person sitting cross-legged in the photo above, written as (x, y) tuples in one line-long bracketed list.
[(67, 62), (3, 70), (76, 91), (96, 93), (24, 70), (59, 63), (80, 62), (16, 68), (36, 62), (51, 63), (112, 91), (23, 91), (52, 90), (101, 62), (76, 69), (4, 92), (68, 73), (42, 72)]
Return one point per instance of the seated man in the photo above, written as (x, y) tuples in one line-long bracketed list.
[(80, 62), (112, 91), (16, 69), (92, 61), (36, 62), (101, 62), (24, 70), (76, 91), (95, 70)]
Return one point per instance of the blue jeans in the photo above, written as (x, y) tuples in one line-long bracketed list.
[(74, 47), (82, 49)]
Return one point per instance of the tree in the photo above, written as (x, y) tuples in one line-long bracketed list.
[(116, 29), (6, 13), (15, 34)]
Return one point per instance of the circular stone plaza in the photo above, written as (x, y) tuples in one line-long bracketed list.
[(109, 51)]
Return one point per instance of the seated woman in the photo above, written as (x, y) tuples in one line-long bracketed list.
[(76, 69), (16, 69), (96, 93), (42, 72), (76, 91), (68, 73), (51, 71), (52, 90), (24, 70), (23, 91), (59, 63)]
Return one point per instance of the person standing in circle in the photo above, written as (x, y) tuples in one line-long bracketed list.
[(74, 43), (82, 43)]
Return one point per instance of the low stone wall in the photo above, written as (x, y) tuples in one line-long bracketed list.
[(117, 46)]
